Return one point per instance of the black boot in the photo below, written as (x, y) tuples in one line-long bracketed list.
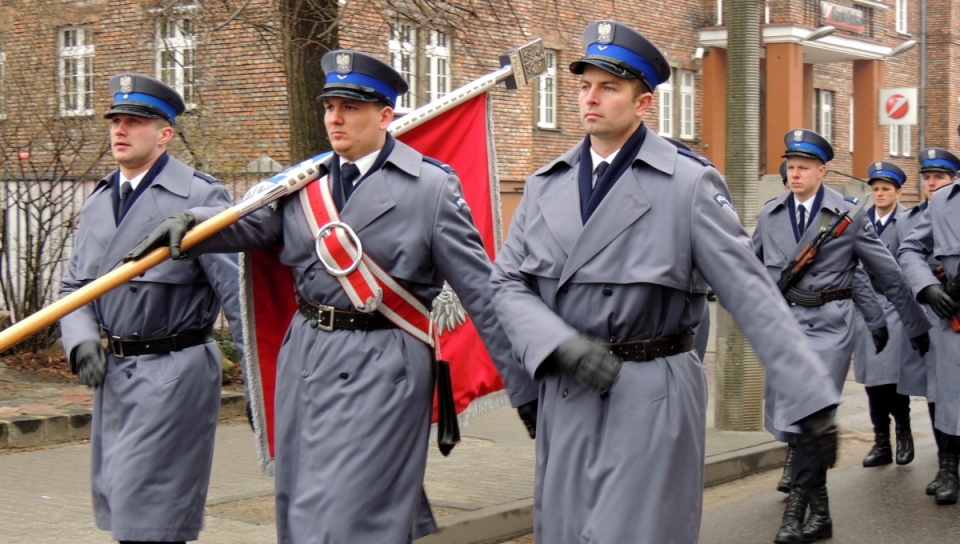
[(819, 525), (784, 485), (949, 488), (933, 486), (881, 453), (904, 445), (791, 531)]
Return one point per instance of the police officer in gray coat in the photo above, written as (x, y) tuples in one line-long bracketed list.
[(157, 384), (935, 235), (601, 279), (354, 397), (881, 370), (821, 302)]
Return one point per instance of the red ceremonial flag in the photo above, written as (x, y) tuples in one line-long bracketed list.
[(460, 137)]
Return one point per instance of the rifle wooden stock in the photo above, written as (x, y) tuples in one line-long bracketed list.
[(88, 293)]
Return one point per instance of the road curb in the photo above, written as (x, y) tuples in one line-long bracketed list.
[(503, 522), (31, 431)]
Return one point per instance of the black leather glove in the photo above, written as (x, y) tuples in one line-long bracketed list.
[(528, 414), (938, 299), (818, 435), (880, 337), (589, 363), (89, 362), (169, 232), (921, 343)]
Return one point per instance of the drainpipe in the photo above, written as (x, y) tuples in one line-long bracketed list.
[(921, 127)]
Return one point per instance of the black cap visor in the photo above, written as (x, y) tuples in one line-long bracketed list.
[(882, 177), (135, 108), (354, 92), (938, 168), (802, 153)]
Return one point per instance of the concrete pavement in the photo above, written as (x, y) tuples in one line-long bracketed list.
[(481, 493)]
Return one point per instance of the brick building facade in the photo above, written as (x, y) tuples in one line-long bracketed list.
[(57, 56)]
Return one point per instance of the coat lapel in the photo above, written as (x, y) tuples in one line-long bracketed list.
[(370, 200), (561, 210), (623, 205)]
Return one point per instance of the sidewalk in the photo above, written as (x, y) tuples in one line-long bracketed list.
[(481, 493)]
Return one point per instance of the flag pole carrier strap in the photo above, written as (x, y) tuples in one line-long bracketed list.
[(332, 268)]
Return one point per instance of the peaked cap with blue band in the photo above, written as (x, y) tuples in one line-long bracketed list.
[(356, 75), (624, 52), (144, 96), (935, 159), (801, 142), (886, 171)]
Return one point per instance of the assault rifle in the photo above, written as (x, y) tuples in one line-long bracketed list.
[(798, 266)]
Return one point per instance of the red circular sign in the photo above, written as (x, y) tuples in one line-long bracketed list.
[(897, 106), (24, 154)]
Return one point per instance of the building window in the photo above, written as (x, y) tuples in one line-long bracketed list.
[(900, 142), (719, 12), (403, 57), (665, 90), (851, 124), (901, 14), (823, 113), (3, 79), (423, 59), (687, 94), (75, 67), (438, 64), (176, 53), (546, 94)]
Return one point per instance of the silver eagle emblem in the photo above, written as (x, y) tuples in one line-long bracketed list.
[(344, 63), (447, 311), (604, 33), (931, 153), (878, 165), (126, 84), (798, 135)]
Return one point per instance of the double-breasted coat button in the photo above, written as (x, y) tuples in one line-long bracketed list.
[(565, 393), (314, 323), (311, 274), (344, 375), (607, 291)]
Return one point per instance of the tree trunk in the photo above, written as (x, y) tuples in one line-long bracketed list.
[(739, 376), (310, 30)]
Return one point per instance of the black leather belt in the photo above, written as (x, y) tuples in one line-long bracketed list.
[(328, 318), (648, 350), (126, 347), (813, 299)]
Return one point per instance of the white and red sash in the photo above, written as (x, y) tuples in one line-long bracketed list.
[(369, 287)]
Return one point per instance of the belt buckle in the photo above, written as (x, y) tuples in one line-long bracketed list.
[(116, 346), (328, 310)]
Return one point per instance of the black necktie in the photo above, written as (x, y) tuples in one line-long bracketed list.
[(601, 168), (348, 175), (879, 226), (126, 189), (802, 219)]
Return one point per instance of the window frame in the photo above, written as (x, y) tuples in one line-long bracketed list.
[(823, 102), (901, 14), (437, 51), (403, 59), (546, 93), (176, 55), (665, 116), (77, 58), (688, 112)]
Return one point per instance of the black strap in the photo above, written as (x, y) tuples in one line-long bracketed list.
[(648, 350), (812, 299), (328, 318), (126, 347)]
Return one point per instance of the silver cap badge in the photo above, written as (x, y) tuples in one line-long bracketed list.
[(798, 135), (126, 84), (604, 33), (344, 63), (931, 153)]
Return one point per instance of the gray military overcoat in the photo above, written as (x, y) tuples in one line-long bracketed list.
[(629, 467), (898, 360), (155, 416), (919, 379), (937, 234), (829, 327), (353, 408)]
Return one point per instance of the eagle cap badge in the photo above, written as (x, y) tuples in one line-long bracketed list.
[(931, 153), (344, 63), (126, 84), (604, 33), (798, 135), (878, 165)]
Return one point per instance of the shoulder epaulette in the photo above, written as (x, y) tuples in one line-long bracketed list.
[(440, 164), (695, 156), (205, 177)]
